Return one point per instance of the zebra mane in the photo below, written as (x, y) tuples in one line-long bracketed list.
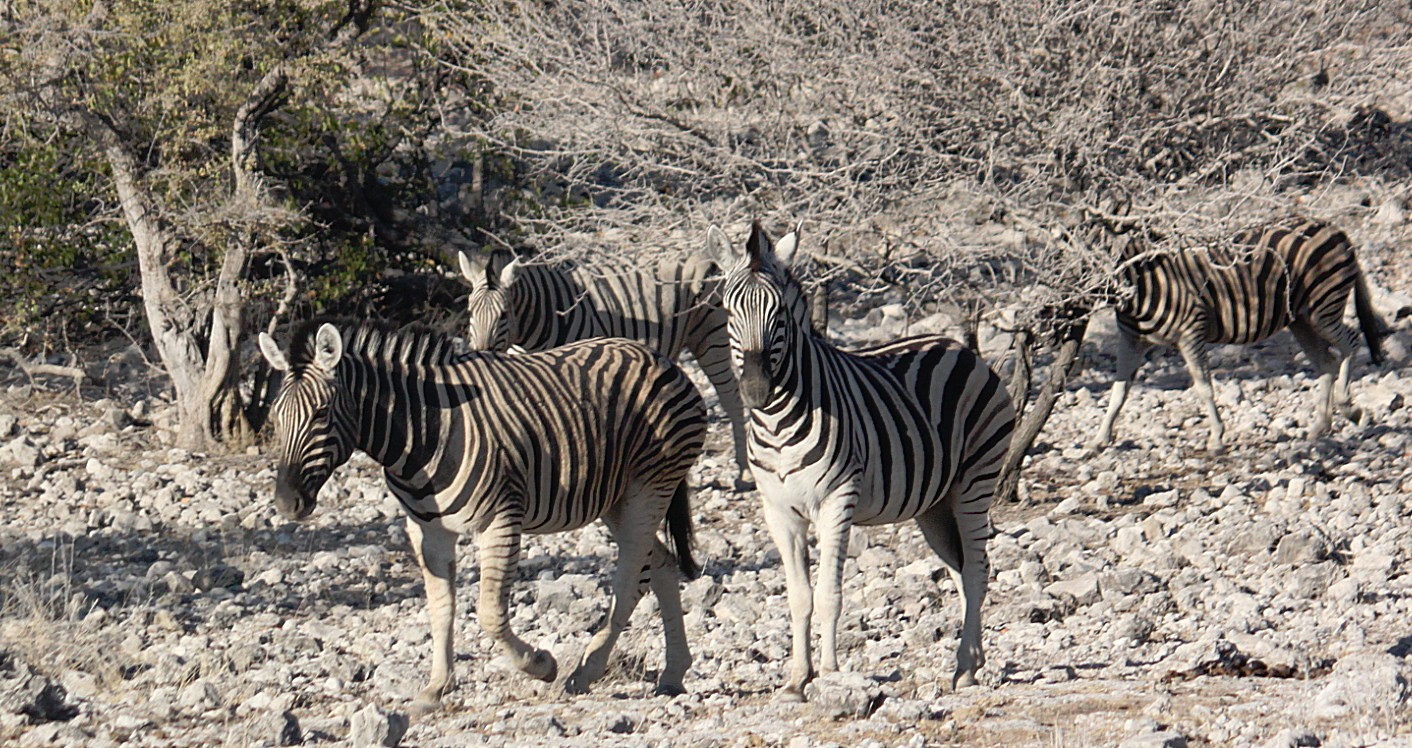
[(380, 342)]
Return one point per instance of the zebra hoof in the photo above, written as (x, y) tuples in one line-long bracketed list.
[(790, 695), (420, 708), (669, 689), (424, 704), (577, 683), (543, 667), (963, 679), (744, 484)]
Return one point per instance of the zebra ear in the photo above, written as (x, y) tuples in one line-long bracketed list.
[(786, 247), (509, 273), (272, 354), (719, 249), (757, 246), (473, 270), (328, 347)]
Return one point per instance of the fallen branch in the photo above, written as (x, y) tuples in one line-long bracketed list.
[(50, 370)]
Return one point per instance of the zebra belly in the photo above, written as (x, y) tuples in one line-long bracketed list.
[(805, 490), (462, 513)]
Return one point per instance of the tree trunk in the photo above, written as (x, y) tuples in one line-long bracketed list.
[(1031, 421), (172, 321), (220, 384)]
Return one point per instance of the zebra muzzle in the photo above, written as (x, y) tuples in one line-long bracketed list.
[(754, 382), (290, 499)]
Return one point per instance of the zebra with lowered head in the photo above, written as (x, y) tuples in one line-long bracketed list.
[(671, 307), (498, 446), (1297, 275), (916, 429)]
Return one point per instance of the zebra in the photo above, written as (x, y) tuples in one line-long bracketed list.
[(1295, 274), (913, 429), (498, 446), (672, 307)]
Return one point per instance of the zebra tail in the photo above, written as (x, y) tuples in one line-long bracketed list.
[(683, 535), (1368, 319)]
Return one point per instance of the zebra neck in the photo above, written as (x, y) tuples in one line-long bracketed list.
[(402, 415), (547, 304)]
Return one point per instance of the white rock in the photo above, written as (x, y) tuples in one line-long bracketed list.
[(371, 726)]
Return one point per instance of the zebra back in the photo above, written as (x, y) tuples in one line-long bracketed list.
[(538, 307)]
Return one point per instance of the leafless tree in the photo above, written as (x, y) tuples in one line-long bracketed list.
[(947, 149)]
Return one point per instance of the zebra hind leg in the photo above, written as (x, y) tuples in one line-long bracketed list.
[(1345, 343), (633, 524), (435, 549), (499, 546), (1131, 352), (1329, 366), (958, 536), (665, 585)]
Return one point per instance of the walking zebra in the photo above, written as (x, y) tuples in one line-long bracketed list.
[(499, 445), (915, 429), (1297, 275), (671, 308)]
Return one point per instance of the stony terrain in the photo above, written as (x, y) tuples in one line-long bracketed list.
[(1152, 595)]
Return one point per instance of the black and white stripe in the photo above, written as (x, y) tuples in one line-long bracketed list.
[(1297, 275), (672, 307), (915, 429), (498, 446)]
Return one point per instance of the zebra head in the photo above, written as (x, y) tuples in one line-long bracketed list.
[(766, 308), (488, 304), (309, 422)]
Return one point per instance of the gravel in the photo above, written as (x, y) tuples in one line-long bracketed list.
[(1150, 595)]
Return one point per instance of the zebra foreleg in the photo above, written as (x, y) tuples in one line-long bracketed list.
[(835, 525), (499, 548), (1194, 354), (665, 585), (1131, 352), (790, 532), (636, 533), (435, 549)]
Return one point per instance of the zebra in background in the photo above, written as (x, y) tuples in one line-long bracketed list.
[(1297, 275), (672, 307), (914, 429), (498, 446)]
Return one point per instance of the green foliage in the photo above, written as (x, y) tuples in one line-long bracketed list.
[(344, 155), (65, 267)]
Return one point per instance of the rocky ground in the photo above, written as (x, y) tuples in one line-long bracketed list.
[(1152, 595)]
